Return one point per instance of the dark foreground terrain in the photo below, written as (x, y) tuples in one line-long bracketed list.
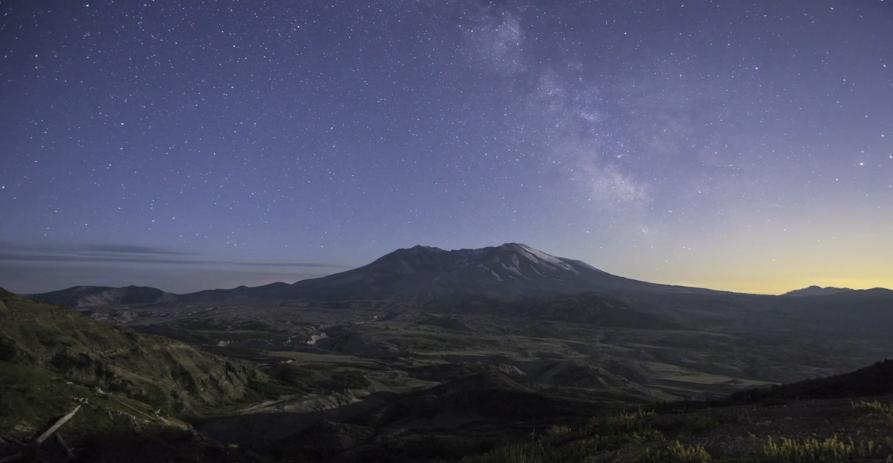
[(496, 354)]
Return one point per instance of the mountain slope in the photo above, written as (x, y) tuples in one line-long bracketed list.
[(505, 271), (427, 276), (863, 312), (510, 270), (816, 291), (63, 343), (873, 380), (811, 421), (97, 296)]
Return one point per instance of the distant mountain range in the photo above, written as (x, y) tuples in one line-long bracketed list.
[(424, 273), (96, 296), (816, 291)]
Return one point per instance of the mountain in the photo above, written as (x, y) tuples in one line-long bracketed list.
[(507, 271), (512, 271), (816, 291), (863, 311), (419, 273), (96, 296)]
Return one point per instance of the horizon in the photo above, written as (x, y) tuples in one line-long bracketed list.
[(266, 281), (742, 146)]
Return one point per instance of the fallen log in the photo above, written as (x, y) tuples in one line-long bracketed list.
[(55, 427)]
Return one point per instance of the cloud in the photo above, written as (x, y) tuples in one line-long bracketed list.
[(36, 277), (127, 249), (132, 254)]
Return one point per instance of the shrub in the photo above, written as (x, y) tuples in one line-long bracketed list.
[(677, 452), (629, 419), (625, 422), (689, 423), (615, 431), (528, 452), (559, 430), (812, 450), (873, 407), (697, 423)]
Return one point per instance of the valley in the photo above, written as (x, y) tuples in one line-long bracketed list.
[(429, 373)]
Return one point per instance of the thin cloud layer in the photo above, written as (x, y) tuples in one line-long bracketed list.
[(133, 254)]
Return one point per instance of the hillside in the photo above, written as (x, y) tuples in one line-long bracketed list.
[(53, 358), (873, 380), (490, 418), (837, 419), (815, 291), (98, 296)]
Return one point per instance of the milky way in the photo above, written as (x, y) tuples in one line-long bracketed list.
[(195, 144)]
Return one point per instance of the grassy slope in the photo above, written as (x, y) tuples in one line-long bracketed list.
[(51, 356), (842, 418)]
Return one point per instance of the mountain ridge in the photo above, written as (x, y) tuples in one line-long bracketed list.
[(420, 272), (507, 270), (816, 290), (93, 296)]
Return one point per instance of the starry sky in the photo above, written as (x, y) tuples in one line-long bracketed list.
[(742, 145)]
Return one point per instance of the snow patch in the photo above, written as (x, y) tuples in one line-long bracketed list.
[(549, 261), (513, 269)]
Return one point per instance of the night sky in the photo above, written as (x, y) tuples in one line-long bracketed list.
[(196, 144)]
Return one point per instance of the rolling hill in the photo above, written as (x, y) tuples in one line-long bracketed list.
[(63, 347), (99, 296)]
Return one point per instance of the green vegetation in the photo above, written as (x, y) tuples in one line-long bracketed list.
[(873, 407), (499, 389), (629, 420), (677, 452), (30, 398), (699, 423), (52, 358), (170, 375), (813, 450), (615, 431), (516, 453), (344, 380), (577, 444), (687, 423)]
